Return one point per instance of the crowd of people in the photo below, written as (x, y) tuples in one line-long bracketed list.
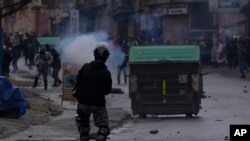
[(125, 45), (16, 45), (230, 53)]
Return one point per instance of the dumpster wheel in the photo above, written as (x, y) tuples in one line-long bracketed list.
[(142, 116), (189, 115)]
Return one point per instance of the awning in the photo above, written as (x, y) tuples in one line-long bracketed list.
[(48, 40)]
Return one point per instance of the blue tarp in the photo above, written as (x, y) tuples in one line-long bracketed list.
[(11, 97)]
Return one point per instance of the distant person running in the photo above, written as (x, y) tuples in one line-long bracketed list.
[(56, 67), (42, 61)]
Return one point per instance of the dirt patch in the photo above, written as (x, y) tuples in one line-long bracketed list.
[(39, 110)]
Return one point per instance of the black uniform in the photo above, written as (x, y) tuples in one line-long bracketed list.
[(56, 66), (7, 58), (93, 83), (122, 68)]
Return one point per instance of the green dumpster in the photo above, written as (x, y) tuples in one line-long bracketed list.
[(165, 80)]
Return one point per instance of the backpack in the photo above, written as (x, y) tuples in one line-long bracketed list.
[(43, 61)]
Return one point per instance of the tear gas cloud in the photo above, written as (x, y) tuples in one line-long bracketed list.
[(79, 50)]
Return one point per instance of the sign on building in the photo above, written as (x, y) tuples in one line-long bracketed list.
[(69, 72), (229, 3), (169, 9), (176, 9), (224, 5), (74, 22)]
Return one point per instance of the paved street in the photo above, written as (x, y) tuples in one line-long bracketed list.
[(159, 45), (63, 127), (226, 103)]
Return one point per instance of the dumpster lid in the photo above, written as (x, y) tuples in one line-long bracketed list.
[(164, 53), (48, 40)]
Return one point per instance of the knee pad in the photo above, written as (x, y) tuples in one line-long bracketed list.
[(78, 121), (105, 131)]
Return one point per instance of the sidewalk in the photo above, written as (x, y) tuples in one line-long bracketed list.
[(63, 127), (233, 73)]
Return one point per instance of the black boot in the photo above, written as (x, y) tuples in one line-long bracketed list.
[(59, 82), (45, 84), (54, 84), (125, 79), (35, 82), (100, 138), (84, 138)]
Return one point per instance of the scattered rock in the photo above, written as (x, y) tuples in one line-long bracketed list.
[(203, 96), (226, 138), (245, 91), (2, 130), (178, 132), (56, 112), (37, 113), (153, 131)]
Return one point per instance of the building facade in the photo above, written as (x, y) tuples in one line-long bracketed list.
[(174, 20), (32, 18), (42, 17), (178, 20)]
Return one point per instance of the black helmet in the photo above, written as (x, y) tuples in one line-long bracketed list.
[(101, 52), (42, 50)]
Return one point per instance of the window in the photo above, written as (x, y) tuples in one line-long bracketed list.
[(201, 18), (126, 3), (201, 21)]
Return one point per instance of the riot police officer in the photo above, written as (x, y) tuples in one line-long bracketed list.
[(93, 83)]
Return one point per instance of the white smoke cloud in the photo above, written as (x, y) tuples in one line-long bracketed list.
[(79, 50), (116, 57)]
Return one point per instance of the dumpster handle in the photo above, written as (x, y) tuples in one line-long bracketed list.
[(164, 60)]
